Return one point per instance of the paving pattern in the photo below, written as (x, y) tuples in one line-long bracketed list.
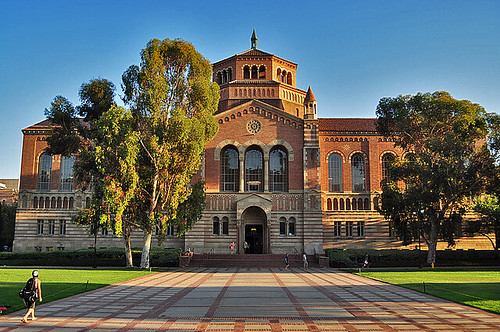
[(235, 299)]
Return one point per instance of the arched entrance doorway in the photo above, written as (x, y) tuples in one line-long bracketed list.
[(254, 229)]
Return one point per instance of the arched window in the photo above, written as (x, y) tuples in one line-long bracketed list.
[(358, 173), (215, 226), (246, 72), (329, 204), (335, 172), (253, 170), (289, 78), (262, 72), (59, 202), (278, 74), (278, 170), (354, 204), (219, 78), (335, 204), (283, 226), (387, 158), (224, 76), (41, 200), (255, 72), (65, 202), (53, 203), (230, 74), (342, 204), (44, 172), (347, 204), (367, 204), (35, 202), (291, 226), (71, 203), (230, 170), (67, 164)]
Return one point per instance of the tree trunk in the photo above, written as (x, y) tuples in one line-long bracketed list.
[(432, 244), (128, 250), (145, 250), (497, 238)]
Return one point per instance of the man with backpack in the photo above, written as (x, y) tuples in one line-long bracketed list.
[(31, 292)]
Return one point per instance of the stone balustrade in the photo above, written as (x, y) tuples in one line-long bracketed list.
[(53, 200)]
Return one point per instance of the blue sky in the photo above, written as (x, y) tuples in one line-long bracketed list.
[(351, 53)]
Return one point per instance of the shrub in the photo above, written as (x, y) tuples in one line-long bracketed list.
[(105, 257), (411, 258)]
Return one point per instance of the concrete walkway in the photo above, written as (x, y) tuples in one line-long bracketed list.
[(210, 299)]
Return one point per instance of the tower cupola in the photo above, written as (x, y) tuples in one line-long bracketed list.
[(254, 40), (310, 105)]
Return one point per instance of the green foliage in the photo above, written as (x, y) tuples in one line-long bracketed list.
[(7, 224), (488, 206), (64, 138), (172, 100), (448, 164), (97, 97)]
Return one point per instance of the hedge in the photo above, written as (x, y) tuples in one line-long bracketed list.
[(410, 258), (105, 257)]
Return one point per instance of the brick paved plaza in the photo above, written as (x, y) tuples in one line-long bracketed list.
[(215, 299)]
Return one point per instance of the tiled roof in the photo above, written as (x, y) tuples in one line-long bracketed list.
[(45, 124), (255, 53), (309, 96), (348, 124)]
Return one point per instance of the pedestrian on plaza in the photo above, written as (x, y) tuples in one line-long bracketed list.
[(287, 262), (246, 247), (367, 262), (35, 286), (232, 247), (304, 259)]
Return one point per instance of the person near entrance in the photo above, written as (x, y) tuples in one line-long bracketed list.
[(287, 262), (304, 259), (246, 246), (232, 247)]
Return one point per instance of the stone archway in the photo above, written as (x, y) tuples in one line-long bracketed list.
[(254, 230)]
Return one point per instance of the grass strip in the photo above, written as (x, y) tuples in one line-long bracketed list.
[(480, 289), (59, 283)]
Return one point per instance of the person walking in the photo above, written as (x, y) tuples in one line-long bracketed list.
[(232, 247), (287, 262), (245, 247), (35, 285), (304, 259), (367, 262)]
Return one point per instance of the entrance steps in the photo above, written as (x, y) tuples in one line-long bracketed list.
[(249, 260)]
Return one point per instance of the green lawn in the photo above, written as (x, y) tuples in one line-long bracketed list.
[(58, 283), (480, 289)]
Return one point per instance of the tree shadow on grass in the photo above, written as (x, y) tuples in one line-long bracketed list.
[(51, 291)]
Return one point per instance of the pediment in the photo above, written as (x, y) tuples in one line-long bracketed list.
[(254, 197), (255, 103)]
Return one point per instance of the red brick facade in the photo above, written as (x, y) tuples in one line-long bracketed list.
[(277, 176)]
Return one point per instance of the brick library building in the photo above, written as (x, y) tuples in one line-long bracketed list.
[(277, 175)]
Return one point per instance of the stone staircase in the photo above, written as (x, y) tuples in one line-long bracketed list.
[(249, 260)]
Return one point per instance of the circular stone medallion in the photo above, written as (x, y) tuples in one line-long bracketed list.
[(254, 126)]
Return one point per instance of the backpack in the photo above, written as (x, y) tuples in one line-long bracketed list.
[(28, 293)]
